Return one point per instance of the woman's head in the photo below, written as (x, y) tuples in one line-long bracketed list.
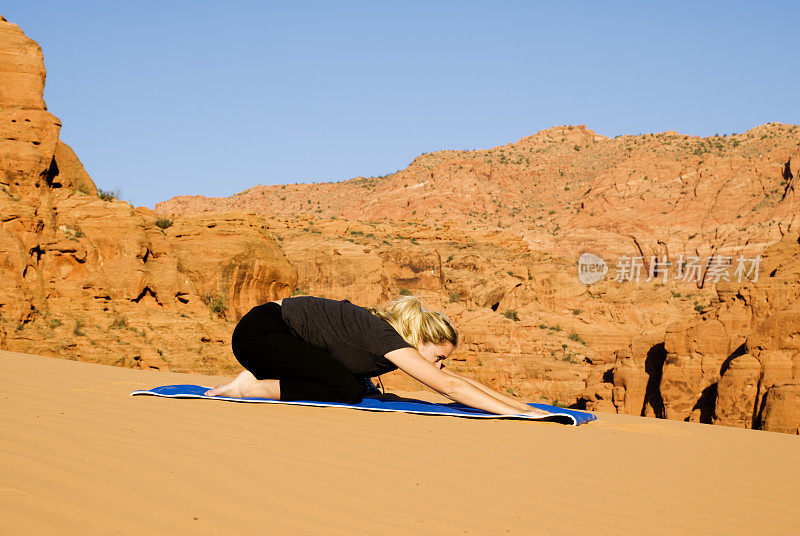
[(428, 331)]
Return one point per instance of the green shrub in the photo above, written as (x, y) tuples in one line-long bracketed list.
[(454, 297), (576, 312), (120, 322), (107, 195), (84, 188), (164, 222), (577, 338), (216, 303), (72, 234), (405, 292), (512, 314)]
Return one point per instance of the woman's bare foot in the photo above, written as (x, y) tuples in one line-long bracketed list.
[(245, 384), (240, 387)]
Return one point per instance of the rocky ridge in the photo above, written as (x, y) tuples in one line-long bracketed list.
[(567, 189)]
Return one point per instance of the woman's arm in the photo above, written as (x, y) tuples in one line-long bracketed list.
[(488, 390), (452, 386)]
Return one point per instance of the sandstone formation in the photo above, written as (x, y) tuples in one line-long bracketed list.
[(566, 190), (744, 355), (738, 364), (97, 280)]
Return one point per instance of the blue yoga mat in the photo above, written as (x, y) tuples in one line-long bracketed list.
[(384, 403)]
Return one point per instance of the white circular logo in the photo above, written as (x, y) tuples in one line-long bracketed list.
[(591, 268)]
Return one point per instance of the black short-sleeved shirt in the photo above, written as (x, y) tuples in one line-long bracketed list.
[(354, 336)]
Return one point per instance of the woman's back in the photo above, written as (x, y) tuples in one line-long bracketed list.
[(351, 334)]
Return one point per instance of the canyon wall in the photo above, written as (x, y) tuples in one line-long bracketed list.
[(95, 279)]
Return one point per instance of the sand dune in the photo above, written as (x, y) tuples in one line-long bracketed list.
[(79, 456)]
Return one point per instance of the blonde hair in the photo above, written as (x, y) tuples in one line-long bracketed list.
[(416, 325)]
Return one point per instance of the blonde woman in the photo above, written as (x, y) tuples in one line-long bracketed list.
[(311, 348)]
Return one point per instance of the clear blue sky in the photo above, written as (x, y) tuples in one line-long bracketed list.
[(168, 98)]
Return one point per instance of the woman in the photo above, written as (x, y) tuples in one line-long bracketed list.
[(311, 348)]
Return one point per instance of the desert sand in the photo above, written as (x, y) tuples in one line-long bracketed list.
[(81, 456)]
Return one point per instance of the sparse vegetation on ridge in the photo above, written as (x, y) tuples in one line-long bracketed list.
[(107, 195)]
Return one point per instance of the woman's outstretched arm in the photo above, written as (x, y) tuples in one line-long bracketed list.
[(488, 390), (454, 387)]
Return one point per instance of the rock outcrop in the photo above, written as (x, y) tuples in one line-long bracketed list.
[(97, 280), (759, 380), (737, 364), (723, 367)]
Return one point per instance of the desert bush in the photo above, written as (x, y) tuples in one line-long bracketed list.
[(216, 303), (577, 338), (164, 222), (512, 314), (107, 195), (120, 322), (84, 188)]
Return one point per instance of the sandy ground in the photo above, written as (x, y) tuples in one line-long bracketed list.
[(80, 456)]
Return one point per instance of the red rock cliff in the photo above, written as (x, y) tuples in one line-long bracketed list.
[(97, 280)]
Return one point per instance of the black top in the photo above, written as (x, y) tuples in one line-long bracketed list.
[(354, 336)]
